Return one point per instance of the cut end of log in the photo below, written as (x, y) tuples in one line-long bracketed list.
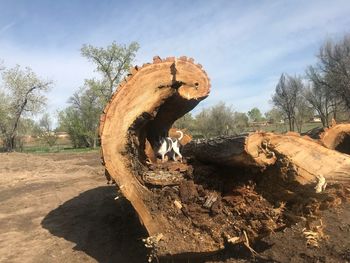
[(142, 111), (337, 137)]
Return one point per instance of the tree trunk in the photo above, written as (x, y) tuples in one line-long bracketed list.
[(290, 123), (144, 107), (12, 144), (306, 158)]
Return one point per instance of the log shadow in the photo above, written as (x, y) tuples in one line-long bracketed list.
[(103, 228), (109, 230)]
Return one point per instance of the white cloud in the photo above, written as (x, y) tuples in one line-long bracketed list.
[(243, 47), (66, 70)]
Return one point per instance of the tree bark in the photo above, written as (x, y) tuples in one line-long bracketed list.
[(145, 106), (306, 158)]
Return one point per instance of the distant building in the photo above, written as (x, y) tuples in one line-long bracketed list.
[(316, 118), (258, 123), (62, 135)]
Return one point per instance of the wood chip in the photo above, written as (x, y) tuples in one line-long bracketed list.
[(178, 204)]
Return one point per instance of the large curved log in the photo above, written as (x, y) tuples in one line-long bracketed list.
[(337, 137), (196, 207), (144, 107)]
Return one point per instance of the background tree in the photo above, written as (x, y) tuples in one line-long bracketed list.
[(274, 116), (81, 118), (276, 119), (185, 122), (255, 115), (24, 95), (321, 100), (219, 120), (286, 97), (69, 121), (330, 79), (303, 112), (4, 114), (240, 122), (201, 127), (113, 62), (334, 67), (46, 131)]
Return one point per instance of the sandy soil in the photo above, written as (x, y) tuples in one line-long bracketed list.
[(58, 208)]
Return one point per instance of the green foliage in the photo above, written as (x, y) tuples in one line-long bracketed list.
[(81, 118), (4, 113), (255, 115), (186, 122), (240, 123), (45, 131), (71, 121), (113, 62), (274, 116), (23, 97), (214, 121)]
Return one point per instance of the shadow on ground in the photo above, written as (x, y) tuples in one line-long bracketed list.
[(103, 228)]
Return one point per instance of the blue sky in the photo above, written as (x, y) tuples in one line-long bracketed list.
[(243, 45)]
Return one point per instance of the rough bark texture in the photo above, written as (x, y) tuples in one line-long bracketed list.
[(337, 137), (307, 158), (145, 106)]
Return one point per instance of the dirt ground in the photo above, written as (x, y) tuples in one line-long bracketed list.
[(58, 208)]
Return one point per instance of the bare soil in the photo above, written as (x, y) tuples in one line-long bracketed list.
[(58, 208)]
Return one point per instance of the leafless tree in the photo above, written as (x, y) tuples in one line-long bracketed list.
[(286, 97), (320, 97), (303, 112), (333, 71), (46, 131)]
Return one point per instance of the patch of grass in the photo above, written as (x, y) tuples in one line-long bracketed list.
[(283, 128), (57, 149), (37, 146)]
